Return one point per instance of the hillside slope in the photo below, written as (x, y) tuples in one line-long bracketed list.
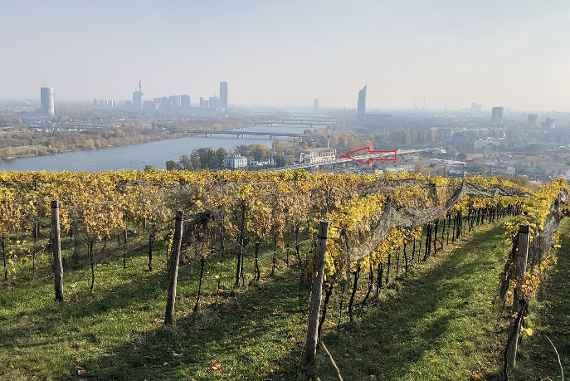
[(437, 323), (440, 326), (550, 316)]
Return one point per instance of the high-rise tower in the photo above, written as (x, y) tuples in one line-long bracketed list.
[(224, 95), (532, 120), (47, 101), (361, 105), (138, 98), (186, 101), (497, 114)]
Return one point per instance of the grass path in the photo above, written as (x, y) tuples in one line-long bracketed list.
[(441, 326), (437, 325), (550, 316)]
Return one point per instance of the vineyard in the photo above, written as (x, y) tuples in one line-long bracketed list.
[(172, 258)]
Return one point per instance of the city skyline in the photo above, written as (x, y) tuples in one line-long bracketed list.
[(176, 102), (221, 101), (290, 53)]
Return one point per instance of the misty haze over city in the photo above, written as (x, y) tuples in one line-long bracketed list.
[(441, 55)]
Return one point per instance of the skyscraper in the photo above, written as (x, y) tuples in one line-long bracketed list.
[(224, 95), (47, 101), (138, 98), (316, 104), (497, 114), (549, 123), (532, 120), (186, 101), (175, 102), (163, 104), (361, 106)]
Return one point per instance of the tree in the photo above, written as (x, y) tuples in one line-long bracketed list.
[(186, 162), (220, 156), (280, 160), (195, 162), (243, 150), (171, 165), (260, 152), (206, 157)]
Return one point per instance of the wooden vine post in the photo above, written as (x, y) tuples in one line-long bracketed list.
[(521, 257), (169, 315), (3, 248), (57, 264), (311, 341), (240, 255)]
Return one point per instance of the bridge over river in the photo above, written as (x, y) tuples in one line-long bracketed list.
[(245, 133)]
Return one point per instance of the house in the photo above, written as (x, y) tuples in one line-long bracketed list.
[(235, 161)]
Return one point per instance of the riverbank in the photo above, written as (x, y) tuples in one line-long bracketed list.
[(154, 153), (73, 143)]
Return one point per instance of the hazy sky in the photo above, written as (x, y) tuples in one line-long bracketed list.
[(450, 52)]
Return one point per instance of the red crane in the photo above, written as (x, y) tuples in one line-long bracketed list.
[(367, 150)]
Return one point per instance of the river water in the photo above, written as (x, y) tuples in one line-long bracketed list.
[(137, 156)]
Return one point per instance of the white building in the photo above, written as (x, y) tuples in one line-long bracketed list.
[(235, 161), (317, 156)]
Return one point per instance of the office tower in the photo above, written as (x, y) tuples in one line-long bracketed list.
[(549, 123), (203, 102), (532, 120), (138, 98), (497, 114), (175, 102), (214, 102), (361, 106), (316, 104), (224, 95), (47, 101), (105, 103), (186, 101), (163, 104)]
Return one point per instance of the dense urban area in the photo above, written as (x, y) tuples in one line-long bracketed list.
[(477, 140)]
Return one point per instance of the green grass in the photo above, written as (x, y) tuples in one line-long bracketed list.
[(436, 323), (440, 325), (550, 316), (117, 332)]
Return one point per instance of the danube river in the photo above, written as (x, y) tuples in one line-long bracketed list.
[(138, 156)]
